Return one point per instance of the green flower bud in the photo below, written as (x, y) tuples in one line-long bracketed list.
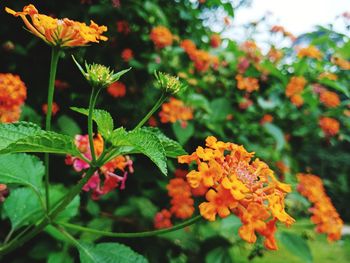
[(168, 83), (99, 76)]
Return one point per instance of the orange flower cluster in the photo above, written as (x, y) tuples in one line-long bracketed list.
[(201, 58), (340, 62), (253, 52), (127, 54), (55, 108), (282, 167), (175, 110), (215, 40), (329, 126), (162, 219), (294, 89), (13, 93), (324, 215), (275, 54), (311, 52), (247, 83), (161, 37), (117, 89), (60, 32), (4, 192), (181, 198), (329, 99), (328, 75), (239, 185), (267, 118)]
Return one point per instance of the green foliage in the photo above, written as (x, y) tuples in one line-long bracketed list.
[(140, 141), (102, 118), (296, 245), (28, 137), (108, 252)]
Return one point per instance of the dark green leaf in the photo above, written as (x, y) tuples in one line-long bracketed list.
[(183, 134)]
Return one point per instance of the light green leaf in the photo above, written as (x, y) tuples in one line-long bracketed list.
[(108, 253), (172, 148), (296, 245), (22, 207), (199, 101), (102, 118), (220, 108), (12, 132), (218, 255), (28, 137), (68, 126), (183, 134), (277, 134), (22, 169), (140, 141)]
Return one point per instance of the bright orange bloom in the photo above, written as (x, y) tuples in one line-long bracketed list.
[(324, 215), (188, 46), (238, 185), (117, 89), (127, 54), (340, 62), (55, 108), (294, 89), (161, 37), (329, 126), (215, 40), (275, 54), (329, 99), (175, 110), (162, 219), (202, 60), (311, 52), (60, 32), (297, 100), (13, 93), (249, 84), (328, 75), (181, 200), (267, 118)]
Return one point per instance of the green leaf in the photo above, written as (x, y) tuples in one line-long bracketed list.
[(108, 253), (12, 132), (100, 223), (218, 255), (140, 141), (68, 126), (277, 134), (22, 207), (102, 118), (60, 257), (220, 108), (183, 134), (199, 101), (22, 169), (28, 137), (296, 245), (172, 148)]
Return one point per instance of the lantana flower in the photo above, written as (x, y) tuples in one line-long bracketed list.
[(59, 32)]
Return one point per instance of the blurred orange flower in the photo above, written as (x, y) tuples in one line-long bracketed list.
[(294, 89), (161, 37), (311, 52), (117, 89), (13, 93), (181, 200), (55, 108), (59, 32), (340, 62), (162, 219), (215, 40), (247, 83), (328, 75), (127, 54), (267, 118), (324, 215), (329, 126), (329, 99), (175, 110)]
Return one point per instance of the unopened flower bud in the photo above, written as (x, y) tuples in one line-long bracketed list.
[(168, 83)]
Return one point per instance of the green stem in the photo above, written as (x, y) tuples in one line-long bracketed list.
[(92, 103), (132, 235), (55, 54), (43, 222), (70, 238), (150, 113)]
